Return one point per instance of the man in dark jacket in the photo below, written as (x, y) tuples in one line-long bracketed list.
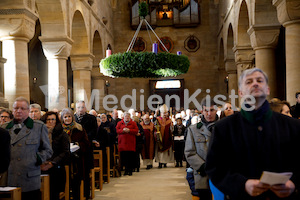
[(252, 141), (89, 123), (295, 109), (4, 150)]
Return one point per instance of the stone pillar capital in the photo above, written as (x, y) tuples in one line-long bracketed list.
[(230, 66), (2, 61), (264, 36), (82, 62), (243, 54), (288, 11), (56, 47), (17, 24)]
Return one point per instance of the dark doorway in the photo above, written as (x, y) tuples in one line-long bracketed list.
[(168, 87)]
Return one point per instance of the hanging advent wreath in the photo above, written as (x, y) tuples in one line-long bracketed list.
[(144, 64)]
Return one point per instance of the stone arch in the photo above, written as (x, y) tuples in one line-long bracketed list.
[(38, 68), (97, 49), (52, 18), (223, 82), (221, 54), (230, 43), (264, 12), (243, 38), (79, 35)]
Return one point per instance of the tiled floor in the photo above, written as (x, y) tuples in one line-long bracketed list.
[(154, 184)]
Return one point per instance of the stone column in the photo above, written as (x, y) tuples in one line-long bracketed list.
[(3, 102), (82, 66), (288, 13), (2, 61), (244, 56), (231, 70), (57, 51), (264, 39), (17, 28), (98, 83)]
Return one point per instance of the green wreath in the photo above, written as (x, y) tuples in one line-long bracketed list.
[(144, 65), (143, 9)]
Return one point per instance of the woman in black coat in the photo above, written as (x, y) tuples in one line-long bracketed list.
[(179, 131), (55, 166)]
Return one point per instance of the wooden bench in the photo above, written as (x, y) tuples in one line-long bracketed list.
[(66, 194), (10, 193), (45, 187), (107, 173), (98, 168), (117, 162)]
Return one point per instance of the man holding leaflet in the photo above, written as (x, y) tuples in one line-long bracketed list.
[(254, 140)]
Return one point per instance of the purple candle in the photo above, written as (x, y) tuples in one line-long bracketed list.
[(154, 48), (179, 53)]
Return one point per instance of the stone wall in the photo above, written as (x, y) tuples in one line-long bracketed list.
[(203, 73)]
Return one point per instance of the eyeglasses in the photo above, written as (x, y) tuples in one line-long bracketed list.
[(17, 108), (51, 119)]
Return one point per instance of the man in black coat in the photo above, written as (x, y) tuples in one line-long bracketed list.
[(4, 150), (295, 109), (89, 123), (252, 141)]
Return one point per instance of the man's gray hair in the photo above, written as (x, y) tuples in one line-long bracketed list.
[(23, 99), (67, 111), (127, 113), (248, 72), (35, 105), (103, 114)]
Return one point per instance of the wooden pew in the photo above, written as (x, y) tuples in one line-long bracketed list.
[(45, 187), (10, 193), (98, 167)]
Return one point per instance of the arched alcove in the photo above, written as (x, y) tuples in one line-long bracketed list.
[(52, 18), (223, 87), (79, 35), (38, 69), (230, 43), (243, 39)]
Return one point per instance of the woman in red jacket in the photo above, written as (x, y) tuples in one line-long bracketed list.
[(127, 131)]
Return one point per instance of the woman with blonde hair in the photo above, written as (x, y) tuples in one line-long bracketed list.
[(77, 136)]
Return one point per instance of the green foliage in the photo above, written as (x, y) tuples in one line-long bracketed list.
[(143, 9), (144, 65)]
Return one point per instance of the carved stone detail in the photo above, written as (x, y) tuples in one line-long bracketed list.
[(17, 23), (243, 54), (230, 66), (264, 36), (287, 10), (82, 62), (56, 47)]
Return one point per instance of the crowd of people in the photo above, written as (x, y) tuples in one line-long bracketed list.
[(225, 150)]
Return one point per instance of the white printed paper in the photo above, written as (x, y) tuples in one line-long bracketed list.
[(73, 147), (273, 178), (6, 189), (178, 137)]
